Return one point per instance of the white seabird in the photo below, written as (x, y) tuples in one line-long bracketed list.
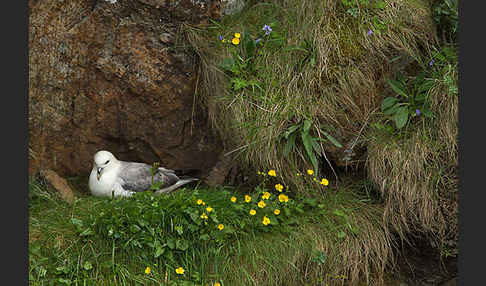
[(112, 177)]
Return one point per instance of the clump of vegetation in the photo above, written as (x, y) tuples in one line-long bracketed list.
[(207, 236)]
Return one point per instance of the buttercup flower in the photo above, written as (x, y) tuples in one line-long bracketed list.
[(204, 216), (237, 35), (324, 182), (220, 226), (199, 202), (279, 187), (180, 270), (272, 173), (209, 209), (266, 195), (217, 284), (147, 270), (266, 220), (267, 29), (252, 212), (233, 199), (283, 198), (261, 204), (235, 41), (247, 198), (276, 211), (310, 172)]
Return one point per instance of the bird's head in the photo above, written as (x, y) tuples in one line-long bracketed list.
[(103, 160)]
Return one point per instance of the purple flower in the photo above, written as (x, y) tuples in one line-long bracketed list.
[(267, 29), (369, 32), (418, 112), (220, 37), (431, 62), (258, 40)]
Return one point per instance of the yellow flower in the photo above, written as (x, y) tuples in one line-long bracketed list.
[(220, 226), (314, 179), (279, 187), (276, 211), (272, 173), (266, 195), (235, 41), (180, 270), (283, 198), (261, 204), (209, 209), (237, 35), (217, 284), (204, 216), (147, 270), (252, 212), (324, 182), (199, 202), (266, 220), (247, 198), (310, 172), (233, 199)]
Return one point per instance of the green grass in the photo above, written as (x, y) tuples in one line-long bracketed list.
[(322, 244)]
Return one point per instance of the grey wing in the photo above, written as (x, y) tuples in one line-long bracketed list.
[(138, 176)]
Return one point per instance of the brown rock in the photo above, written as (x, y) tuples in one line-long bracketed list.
[(59, 184), (108, 76)]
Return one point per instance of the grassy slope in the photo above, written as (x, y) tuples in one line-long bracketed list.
[(310, 253)]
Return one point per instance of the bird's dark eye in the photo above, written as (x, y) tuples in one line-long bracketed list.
[(108, 161)]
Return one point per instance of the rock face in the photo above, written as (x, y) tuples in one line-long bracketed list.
[(110, 76)]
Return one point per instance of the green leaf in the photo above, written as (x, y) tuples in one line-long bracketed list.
[(182, 244), (250, 47), (86, 232), (380, 4), (332, 139), (290, 144), (239, 83), (228, 63), (87, 265), (341, 234), (307, 141), (398, 87), (159, 250), (401, 117), (171, 243), (388, 102)]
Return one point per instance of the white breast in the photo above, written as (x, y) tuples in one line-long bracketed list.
[(105, 185)]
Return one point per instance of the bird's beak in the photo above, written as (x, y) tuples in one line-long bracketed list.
[(99, 173)]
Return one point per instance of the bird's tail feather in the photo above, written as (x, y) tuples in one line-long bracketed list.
[(182, 181)]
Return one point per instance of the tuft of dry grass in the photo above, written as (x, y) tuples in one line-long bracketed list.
[(418, 175), (356, 259), (339, 93)]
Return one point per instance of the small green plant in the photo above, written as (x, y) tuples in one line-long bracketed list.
[(355, 6), (446, 15), (411, 100), (299, 134), (243, 49)]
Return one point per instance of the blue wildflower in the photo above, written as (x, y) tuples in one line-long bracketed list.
[(267, 29), (431, 62), (369, 32), (220, 37), (258, 40), (418, 112)]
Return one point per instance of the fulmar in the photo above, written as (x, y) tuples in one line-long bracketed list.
[(112, 177)]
